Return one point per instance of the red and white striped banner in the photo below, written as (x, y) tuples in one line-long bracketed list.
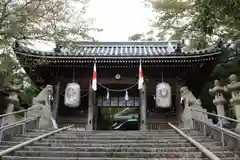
[(94, 77), (140, 77)]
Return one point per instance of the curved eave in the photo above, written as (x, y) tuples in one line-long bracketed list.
[(169, 58)]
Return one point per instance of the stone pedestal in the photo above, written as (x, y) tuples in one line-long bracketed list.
[(219, 100), (12, 102), (234, 88)]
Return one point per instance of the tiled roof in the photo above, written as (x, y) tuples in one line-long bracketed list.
[(100, 49)]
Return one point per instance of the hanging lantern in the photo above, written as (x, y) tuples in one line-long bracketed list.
[(126, 96), (107, 96), (72, 95), (163, 95)]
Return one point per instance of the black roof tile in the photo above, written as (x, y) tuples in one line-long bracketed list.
[(103, 49)]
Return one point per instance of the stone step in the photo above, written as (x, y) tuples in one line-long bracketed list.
[(166, 130), (111, 137), (153, 141), (80, 133), (107, 149), (115, 145), (220, 154), (108, 134), (107, 131), (98, 158), (78, 129), (115, 135), (159, 145), (121, 134), (113, 149), (110, 149)]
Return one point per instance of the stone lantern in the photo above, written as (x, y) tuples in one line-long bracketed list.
[(234, 88), (219, 100), (13, 101)]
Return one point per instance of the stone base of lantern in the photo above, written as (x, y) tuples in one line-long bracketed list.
[(12, 102)]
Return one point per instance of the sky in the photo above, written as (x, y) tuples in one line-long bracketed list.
[(119, 19)]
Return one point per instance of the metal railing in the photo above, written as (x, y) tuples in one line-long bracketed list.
[(219, 126), (204, 150), (5, 119), (18, 146)]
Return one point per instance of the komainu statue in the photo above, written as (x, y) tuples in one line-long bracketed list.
[(189, 98), (42, 106), (190, 102)]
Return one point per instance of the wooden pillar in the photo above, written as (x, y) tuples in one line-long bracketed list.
[(56, 101), (178, 106), (143, 109), (95, 111), (89, 126)]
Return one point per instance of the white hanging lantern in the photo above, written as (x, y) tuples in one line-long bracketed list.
[(72, 95), (107, 96), (126, 96), (163, 95)]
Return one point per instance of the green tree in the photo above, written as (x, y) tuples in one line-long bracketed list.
[(136, 37), (201, 21), (44, 19), (149, 36)]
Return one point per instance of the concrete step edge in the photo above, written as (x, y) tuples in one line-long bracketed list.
[(95, 158)]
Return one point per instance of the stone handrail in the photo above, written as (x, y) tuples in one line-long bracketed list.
[(9, 150), (204, 150)]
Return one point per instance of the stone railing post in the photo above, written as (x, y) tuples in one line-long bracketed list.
[(234, 88), (219, 100), (12, 100)]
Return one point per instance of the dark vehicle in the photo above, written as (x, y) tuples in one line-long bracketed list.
[(131, 124)]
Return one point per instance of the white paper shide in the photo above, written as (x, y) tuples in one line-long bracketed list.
[(72, 95), (163, 95)]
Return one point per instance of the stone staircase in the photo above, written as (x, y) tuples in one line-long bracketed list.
[(78, 122), (114, 145)]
